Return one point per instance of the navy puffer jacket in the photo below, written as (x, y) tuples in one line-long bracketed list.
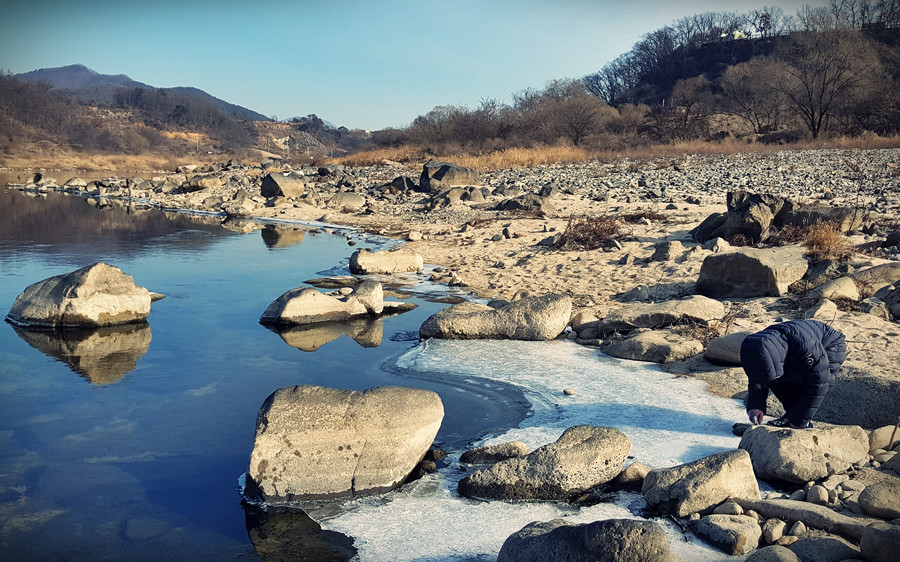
[(805, 352)]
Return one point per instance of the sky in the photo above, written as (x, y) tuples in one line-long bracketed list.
[(360, 64)]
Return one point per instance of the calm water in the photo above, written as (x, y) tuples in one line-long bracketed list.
[(128, 443)]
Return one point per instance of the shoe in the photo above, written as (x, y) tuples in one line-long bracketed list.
[(783, 422)]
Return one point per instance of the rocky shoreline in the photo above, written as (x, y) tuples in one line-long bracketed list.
[(652, 290)]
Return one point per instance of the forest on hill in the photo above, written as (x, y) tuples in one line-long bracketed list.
[(758, 77)]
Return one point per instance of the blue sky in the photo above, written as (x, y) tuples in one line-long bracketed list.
[(355, 63)]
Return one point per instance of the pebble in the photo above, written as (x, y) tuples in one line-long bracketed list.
[(569, 392)]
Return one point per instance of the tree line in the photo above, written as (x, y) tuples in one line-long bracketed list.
[(762, 75)]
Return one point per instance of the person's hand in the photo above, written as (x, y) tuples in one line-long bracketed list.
[(756, 416)]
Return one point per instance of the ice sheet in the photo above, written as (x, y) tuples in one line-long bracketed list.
[(669, 420)]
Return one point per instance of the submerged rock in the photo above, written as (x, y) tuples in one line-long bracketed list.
[(317, 443), (583, 457), (96, 295), (622, 540), (533, 318)]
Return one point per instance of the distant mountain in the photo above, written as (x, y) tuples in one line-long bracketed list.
[(238, 110), (86, 85)]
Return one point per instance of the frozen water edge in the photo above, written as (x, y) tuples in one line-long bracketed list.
[(670, 420)]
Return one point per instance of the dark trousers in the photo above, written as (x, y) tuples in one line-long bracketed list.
[(787, 393)]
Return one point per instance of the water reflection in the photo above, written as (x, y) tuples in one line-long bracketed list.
[(276, 236), (367, 332), (102, 355), (289, 535)]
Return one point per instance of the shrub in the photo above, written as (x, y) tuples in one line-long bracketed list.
[(588, 233)]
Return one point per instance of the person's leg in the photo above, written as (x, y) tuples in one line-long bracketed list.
[(787, 393)]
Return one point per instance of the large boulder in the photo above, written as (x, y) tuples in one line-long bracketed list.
[(701, 485), (751, 272), (874, 278), (347, 200), (882, 499), (583, 457), (317, 443), (620, 540), (95, 295), (662, 346), (281, 185), (802, 455), (437, 175), (696, 309), (840, 288), (532, 318), (842, 219), (385, 261), (732, 534)]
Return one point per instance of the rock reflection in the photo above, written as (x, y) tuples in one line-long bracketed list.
[(276, 236), (241, 226), (367, 332), (289, 535), (102, 355)]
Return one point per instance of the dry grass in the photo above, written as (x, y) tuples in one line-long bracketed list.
[(588, 233), (825, 241)]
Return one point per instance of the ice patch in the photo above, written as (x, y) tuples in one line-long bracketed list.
[(669, 419)]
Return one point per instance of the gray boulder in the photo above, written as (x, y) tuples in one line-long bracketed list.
[(824, 549), (882, 499), (751, 272), (532, 318), (95, 295), (880, 542), (802, 455), (495, 453), (318, 443), (583, 457), (701, 485), (696, 308), (725, 350), (619, 540), (840, 288), (437, 175), (529, 202), (281, 185), (815, 516), (874, 278), (750, 215), (732, 534), (661, 346), (346, 200), (385, 261), (668, 251)]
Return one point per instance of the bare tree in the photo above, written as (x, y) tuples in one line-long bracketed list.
[(822, 72), (750, 91)]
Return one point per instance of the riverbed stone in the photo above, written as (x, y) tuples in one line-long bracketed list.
[(495, 453), (882, 499), (658, 346), (315, 443), (840, 288), (531, 318), (696, 308), (583, 457), (803, 455), (824, 549), (385, 261), (282, 185), (751, 272), (699, 486), (773, 553), (732, 534), (306, 305), (725, 350), (437, 175), (95, 295), (622, 540), (880, 542)]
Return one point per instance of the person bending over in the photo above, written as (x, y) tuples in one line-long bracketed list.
[(797, 361)]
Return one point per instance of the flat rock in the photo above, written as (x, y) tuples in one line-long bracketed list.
[(436, 175), (824, 549), (880, 542), (622, 540), (658, 346), (385, 261), (825, 311), (881, 500), (701, 485), (306, 305), (316, 443), (815, 516), (751, 272), (773, 553), (695, 308), (732, 534), (877, 277), (95, 295), (803, 455), (583, 457), (840, 288), (531, 318)]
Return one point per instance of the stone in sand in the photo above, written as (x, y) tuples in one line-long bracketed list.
[(495, 453), (436, 175), (751, 272)]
